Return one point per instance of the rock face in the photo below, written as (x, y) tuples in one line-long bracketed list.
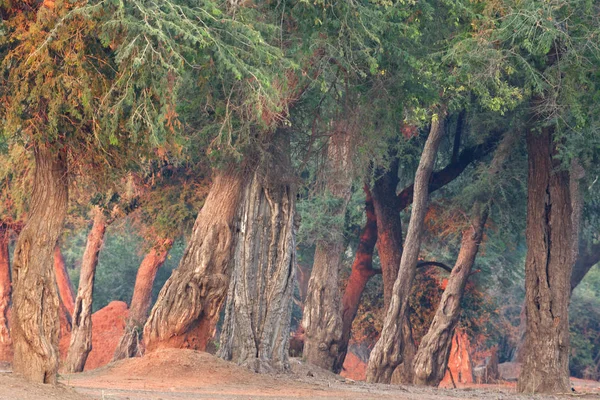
[(108, 325), (459, 362)]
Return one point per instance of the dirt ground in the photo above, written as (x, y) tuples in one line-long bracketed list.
[(187, 374)]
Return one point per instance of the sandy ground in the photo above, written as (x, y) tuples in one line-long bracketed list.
[(187, 374)]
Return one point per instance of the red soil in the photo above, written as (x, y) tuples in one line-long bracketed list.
[(108, 325), (354, 368)]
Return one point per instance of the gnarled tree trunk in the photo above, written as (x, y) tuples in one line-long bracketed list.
[(432, 357), (548, 267), (65, 287), (34, 324), (256, 330), (81, 333), (388, 352), (362, 271), (130, 344), (187, 309), (322, 320), (6, 350)]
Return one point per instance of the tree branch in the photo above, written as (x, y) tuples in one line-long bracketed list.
[(446, 175)]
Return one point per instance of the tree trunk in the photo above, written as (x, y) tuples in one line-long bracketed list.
[(81, 333), (432, 357), (549, 262), (187, 309), (431, 360), (34, 324), (589, 255), (130, 344), (65, 287), (387, 353), (6, 350), (389, 247), (256, 330), (362, 271), (322, 320)]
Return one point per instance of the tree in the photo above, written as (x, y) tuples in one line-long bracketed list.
[(322, 320), (5, 289), (387, 353), (129, 345), (81, 334)]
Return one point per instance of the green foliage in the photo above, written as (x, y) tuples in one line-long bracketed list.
[(585, 327)]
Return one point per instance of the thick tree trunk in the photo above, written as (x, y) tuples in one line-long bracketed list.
[(362, 271), (256, 330), (387, 353), (65, 287), (322, 320), (432, 357), (187, 309), (6, 350), (130, 344), (550, 259), (34, 324), (81, 333)]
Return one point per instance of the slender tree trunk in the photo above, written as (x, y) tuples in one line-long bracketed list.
[(187, 309), (431, 360), (34, 324), (6, 350), (387, 353), (362, 271), (548, 267), (432, 357), (65, 287), (81, 333), (256, 330), (322, 320), (130, 344), (589, 255)]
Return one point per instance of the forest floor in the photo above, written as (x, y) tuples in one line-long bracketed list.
[(187, 374)]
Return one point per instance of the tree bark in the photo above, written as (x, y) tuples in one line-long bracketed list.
[(549, 263), (362, 271), (81, 333), (6, 350), (322, 320), (387, 353), (187, 309), (256, 329), (130, 343), (34, 324), (431, 359), (65, 287), (589, 255), (389, 248)]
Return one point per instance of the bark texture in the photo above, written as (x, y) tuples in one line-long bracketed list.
[(550, 258), (81, 322), (256, 329), (431, 360), (589, 255), (432, 357), (387, 353), (362, 271), (130, 344), (65, 287), (34, 324), (187, 309), (6, 350), (322, 320)]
